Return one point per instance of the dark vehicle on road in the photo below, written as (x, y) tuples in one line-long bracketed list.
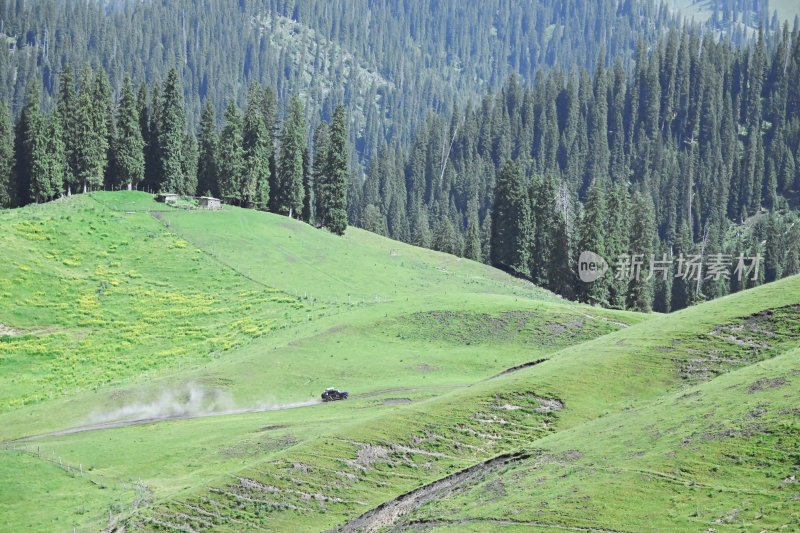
[(331, 395)]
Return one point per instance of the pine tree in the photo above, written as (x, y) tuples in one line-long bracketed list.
[(599, 156), (643, 226), (66, 108), (29, 125), (6, 158), (421, 234), (231, 154), (207, 168), (318, 169), (560, 274), (269, 108), (486, 239), (373, 220), (144, 117), (617, 241), (257, 144), (788, 170), (189, 161), (91, 128), (542, 195), (444, 237), (683, 286), (592, 239), (308, 188), (128, 145), (171, 129), (103, 120), (662, 291), (288, 195), (149, 123), (775, 249), (792, 262), (511, 221), (48, 163), (333, 189), (472, 245)]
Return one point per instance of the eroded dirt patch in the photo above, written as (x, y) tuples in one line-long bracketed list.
[(386, 514), (767, 383), (396, 401), (8, 331), (743, 342)]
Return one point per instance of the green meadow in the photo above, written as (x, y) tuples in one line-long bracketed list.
[(161, 370)]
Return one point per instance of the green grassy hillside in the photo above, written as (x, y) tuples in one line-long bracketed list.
[(116, 308), (721, 455), (161, 369), (359, 466)]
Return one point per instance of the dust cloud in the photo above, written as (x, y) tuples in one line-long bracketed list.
[(190, 400)]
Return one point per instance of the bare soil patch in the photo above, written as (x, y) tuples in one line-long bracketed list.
[(766, 383)]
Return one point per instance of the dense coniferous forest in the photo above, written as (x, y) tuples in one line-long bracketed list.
[(643, 135), (388, 62), (692, 151)]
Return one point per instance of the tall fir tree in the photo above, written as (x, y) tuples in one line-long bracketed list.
[(152, 156), (511, 221), (318, 168), (288, 196), (6, 158), (170, 138), (774, 248), (231, 154), (128, 144), (617, 240), (643, 227), (208, 144), (29, 124), (257, 144), (91, 128), (592, 233), (561, 275), (308, 187), (444, 237), (66, 108), (48, 163), (269, 107), (333, 189), (472, 243), (684, 282), (103, 120)]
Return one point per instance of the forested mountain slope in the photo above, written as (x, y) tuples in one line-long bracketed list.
[(692, 151), (388, 61)]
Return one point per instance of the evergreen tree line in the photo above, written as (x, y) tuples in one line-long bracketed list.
[(89, 142), (391, 60), (694, 150)]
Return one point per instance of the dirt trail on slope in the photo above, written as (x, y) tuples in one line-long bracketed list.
[(112, 424), (517, 368), (154, 419), (424, 525), (386, 514)]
